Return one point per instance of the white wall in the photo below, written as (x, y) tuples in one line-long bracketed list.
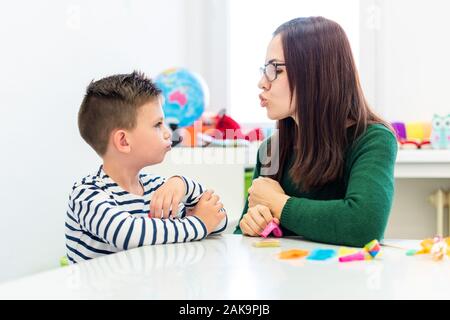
[(207, 47), (405, 52), (412, 215), (405, 69), (51, 50)]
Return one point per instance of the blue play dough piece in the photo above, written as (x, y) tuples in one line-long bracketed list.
[(322, 254)]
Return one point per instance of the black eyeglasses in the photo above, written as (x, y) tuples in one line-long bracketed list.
[(270, 70)]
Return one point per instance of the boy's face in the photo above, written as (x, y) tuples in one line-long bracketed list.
[(151, 139)]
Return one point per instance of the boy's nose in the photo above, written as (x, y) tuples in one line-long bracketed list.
[(167, 135)]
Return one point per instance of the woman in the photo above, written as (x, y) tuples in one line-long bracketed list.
[(330, 171)]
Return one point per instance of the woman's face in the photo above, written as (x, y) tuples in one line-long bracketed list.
[(276, 95)]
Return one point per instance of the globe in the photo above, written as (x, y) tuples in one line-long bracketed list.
[(185, 95)]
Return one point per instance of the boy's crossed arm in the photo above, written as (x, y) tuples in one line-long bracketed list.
[(96, 213), (181, 189)]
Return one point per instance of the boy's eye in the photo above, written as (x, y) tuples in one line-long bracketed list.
[(159, 124)]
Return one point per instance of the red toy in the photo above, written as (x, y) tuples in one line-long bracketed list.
[(230, 129)]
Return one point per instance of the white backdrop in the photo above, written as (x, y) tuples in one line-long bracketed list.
[(404, 57), (50, 51)]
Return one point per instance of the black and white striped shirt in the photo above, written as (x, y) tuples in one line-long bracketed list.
[(103, 218)]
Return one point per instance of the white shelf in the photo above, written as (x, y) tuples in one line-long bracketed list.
[(432, 164), (423, 156)]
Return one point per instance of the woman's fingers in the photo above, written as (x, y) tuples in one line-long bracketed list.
[(253, 224), (251, 202), (257, 219), (246, 230), (265, 213)]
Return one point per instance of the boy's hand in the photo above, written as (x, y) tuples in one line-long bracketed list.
[(208, 209), (167, 198)]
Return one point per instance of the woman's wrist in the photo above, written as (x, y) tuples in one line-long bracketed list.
[(276, 207)]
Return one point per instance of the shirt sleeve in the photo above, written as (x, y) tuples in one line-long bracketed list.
[(194, 191), (99, 215)]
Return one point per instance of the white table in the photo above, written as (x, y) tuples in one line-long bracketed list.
[(229, 267)]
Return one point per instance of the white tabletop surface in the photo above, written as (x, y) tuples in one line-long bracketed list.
[(229, 267)]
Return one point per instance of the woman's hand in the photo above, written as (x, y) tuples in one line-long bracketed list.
[(255, 220), (166, 199), (267, 192)]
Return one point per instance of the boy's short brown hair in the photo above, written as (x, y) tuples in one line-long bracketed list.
[(112, 103)]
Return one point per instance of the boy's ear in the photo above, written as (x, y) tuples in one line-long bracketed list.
[(120, 142)]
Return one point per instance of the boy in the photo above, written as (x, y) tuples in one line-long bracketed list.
[(118, 208)]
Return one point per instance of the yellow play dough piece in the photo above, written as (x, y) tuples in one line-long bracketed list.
[(346, 251), (270, 243)]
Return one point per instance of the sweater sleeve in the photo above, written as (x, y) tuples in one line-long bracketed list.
[(362, 214)]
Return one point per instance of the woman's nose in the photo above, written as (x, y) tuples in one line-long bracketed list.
[(263, 84)]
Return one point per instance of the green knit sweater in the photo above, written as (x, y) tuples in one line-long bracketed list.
[(352, 210)]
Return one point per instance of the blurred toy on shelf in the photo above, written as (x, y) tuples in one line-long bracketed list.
[(413, 135), (230, 129), (205, 140), (192, 134), (440, 132), (219, 129)]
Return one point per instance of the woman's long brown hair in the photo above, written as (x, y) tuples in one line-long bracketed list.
[(328, 98)]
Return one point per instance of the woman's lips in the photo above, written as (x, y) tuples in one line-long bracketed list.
[(263, 101)]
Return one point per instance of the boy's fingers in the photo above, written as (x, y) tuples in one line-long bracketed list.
[(166, 206), (157, 209), (215, 198), (221, 214), (218, 206), (207, 194), (153, 206), (175, 204)]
